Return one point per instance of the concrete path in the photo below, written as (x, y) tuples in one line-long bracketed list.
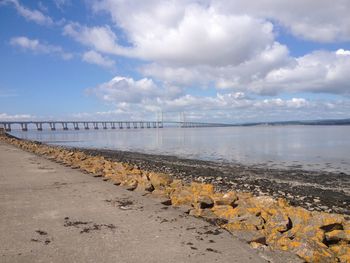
[(51, 213)]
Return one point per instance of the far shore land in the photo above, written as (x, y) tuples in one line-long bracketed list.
[(313, 190)]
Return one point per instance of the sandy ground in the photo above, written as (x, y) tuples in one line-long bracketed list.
[(51, 213)]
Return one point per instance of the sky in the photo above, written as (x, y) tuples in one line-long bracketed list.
[(227, 61)]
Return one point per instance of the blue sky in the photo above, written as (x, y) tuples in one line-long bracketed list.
[(215, 60)]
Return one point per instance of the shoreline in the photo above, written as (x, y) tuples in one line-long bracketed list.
[(313, 190), (265, 222)]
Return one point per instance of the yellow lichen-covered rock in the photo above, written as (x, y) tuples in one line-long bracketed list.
[(117, 179), (225, 211), (206, 213), (277, 221), (144, 184), (327, 221), (338, 235), (160, 180), (342, 251), (228, 198), (240, 226), (312, 251), (202, 189), (246, 222), (129, 184), (182, 196)]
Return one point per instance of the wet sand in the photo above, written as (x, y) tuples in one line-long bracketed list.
[(314, 190)]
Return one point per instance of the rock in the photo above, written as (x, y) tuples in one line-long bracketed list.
[(130, 184), (166, 201), (225, 211), (342, 251), (312, 251), (278, 221), (182, 197), (205, 202), (338, 235), (245, 222), (256, 245), (160, 180), (205, 213), (225, 199), (144, 185)]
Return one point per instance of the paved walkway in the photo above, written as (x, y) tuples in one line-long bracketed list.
[(51, 213)]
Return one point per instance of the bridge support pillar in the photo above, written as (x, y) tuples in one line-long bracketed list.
[(154, 124), (76, 125), (52, 126), (127, 125), (24, 126), (7, 127), (39, 126), (120, 124), (95, 125), (113, 125), (86, 125), (134, 125), (160, 124), (65, 126), (142, 125), (148, 124), (104, 125)]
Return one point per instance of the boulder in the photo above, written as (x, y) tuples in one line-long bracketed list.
[(130, 184), (205, 201), (160, 180), (338, 235), (342, 251), (181, 197), (228, 198)]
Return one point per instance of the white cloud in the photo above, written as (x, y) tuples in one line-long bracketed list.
[(229, 44), (94, 57), (29, 14), (321, 71), (125, 90), (137, 98), (321, 20), (192, 35), (269, 73), (101, 38), (36, 46), (14, 117), (342, 52)]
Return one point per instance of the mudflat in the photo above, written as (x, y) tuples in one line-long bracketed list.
[(52, 213)]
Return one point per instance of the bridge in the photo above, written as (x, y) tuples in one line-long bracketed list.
[(86, 125)]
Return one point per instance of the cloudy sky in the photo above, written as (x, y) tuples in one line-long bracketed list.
[(216, 60)]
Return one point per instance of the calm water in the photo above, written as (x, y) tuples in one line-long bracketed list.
[(307, 147)]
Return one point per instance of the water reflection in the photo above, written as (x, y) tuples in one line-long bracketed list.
[(312, 147)]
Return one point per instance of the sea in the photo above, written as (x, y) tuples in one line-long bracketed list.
[(324, 148)]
